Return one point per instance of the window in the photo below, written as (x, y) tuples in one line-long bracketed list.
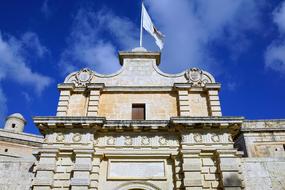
[(284, 146), (13, 125), (6, 150), (138, 111)]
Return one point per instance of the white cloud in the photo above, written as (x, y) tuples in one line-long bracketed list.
[(31, 40), (192, 27), (89, 46), (275, 53), (3, 107), (275, 57), (279, 17), (45, 9), (14, 66)]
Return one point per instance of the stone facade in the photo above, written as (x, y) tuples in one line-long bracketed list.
[(182, 142)]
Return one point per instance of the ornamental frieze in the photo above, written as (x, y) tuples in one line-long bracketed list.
[(59, 138), (143, 140), (204, 138)]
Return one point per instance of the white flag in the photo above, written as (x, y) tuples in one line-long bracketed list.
[(148, 26)]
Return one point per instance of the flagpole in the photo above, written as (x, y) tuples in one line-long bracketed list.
[(141, 32)]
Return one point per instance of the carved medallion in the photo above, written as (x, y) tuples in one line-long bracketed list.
[(197, 137), (60, 137), (128, 140), (111, 141), (76, 137), (195, 77), (83, 77), (145, 141), (215, 138), (162, 141)]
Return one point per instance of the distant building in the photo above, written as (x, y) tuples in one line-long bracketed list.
[(140, 128)]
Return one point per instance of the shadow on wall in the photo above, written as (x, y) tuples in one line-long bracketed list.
[(232, 181)]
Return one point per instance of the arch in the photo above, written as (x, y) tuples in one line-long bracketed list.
[(137, 185)]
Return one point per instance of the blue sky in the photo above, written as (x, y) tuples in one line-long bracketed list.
[(241, 42)]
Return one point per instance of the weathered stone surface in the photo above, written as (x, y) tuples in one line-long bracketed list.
[(16, 175)]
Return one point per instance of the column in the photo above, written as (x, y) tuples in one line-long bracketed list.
[(82, 169), (192, 168), (214, 100), (94, 184), (45, 170), (178, 175), (184, 106), (93, 104), (63, 102), (230, 169)]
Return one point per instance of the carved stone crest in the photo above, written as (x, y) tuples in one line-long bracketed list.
[(83, 77), (195, 77)]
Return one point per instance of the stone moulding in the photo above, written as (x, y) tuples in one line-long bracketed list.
[(174, 124), (139, 65)]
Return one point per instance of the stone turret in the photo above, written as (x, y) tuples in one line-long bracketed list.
[(15, 122)]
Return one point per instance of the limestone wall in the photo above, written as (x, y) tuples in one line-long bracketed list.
[(159, 106), (15, 175), (264, 173)]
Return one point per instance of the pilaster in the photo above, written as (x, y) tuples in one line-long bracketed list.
[(45, 170), (214, 100), (63, 103), (178, 172), (82, 169), (183, 98), (93, 104), (192, 169), (230, 169), (94, 182)]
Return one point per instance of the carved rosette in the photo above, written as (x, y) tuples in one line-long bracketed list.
[(196, 77), (128, 140), (215, 138), (76, 137), (60, 137), (83, 77), (197, 138), (145, 141), (111, 141), (162, 141)]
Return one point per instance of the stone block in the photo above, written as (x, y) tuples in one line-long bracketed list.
[(208, 162), (214, 98), (210, 177), (80, 182), (93, 103), (213, 170), (215, 103), (215, 108), (215, 184), (193, 183), (213, 92), (192, 167), (92, 108)]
